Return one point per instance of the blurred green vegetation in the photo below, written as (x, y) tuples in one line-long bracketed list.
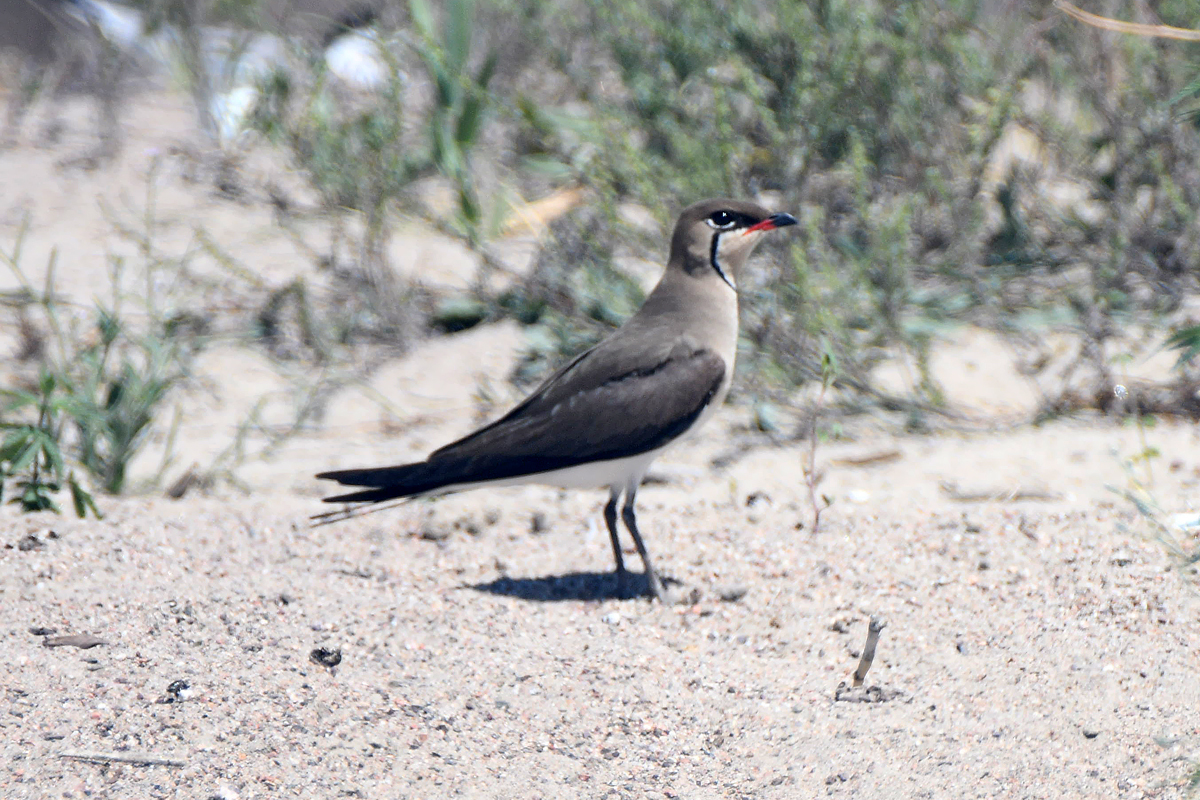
[(951, 162), (954, 162)]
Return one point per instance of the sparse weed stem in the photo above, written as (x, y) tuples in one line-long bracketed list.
[(1180, 545), (811, 476)]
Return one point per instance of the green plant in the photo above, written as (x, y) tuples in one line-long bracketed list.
[(30, 454), (103, 387), (1187, 342), (101, 378), (460, 100), (113, 390)]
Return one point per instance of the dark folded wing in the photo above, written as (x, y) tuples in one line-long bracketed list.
[(633, 412), (569, 421)]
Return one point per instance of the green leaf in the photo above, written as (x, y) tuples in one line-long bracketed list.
[(547, 167), (17, 439), (36, 497), (52, 453), (422, 17), (446, 153), (468, 206), (447, 89), (109, 326), (829, 367), (27, 455), (458, 34), (1187, 92), (1187, 341), (18, 400), (487, 70), (82, 500), (469, 121)]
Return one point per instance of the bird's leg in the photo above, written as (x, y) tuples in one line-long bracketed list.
[(610, 519), (630, 517)]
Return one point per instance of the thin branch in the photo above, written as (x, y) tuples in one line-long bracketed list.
[(124, 758), (1136, 28)]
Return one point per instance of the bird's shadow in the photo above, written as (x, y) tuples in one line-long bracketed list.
[(572, 586)]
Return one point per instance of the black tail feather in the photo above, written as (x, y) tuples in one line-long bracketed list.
[(378, 477), (371, 495), (383, 483), (388, 483)]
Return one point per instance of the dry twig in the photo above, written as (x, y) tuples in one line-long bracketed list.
[(870, 459), (1136, 28), (83, 641), (123, 758), (868, 653), (997, 494)]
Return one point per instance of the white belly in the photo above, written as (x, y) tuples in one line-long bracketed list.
[(615, 473)]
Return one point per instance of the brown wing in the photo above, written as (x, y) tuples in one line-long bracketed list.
[(609, 403), (574, 419)]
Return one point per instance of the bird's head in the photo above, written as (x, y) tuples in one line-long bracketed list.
[(713, 238)]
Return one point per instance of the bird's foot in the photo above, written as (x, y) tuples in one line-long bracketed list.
[(657, 588)]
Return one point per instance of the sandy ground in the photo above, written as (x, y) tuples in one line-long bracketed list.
[(1038, 644)]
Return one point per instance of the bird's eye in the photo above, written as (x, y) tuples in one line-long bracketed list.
[(722, 220)]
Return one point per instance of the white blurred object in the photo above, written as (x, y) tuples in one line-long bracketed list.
[(231, 110), (356, 58), (121, 25), (1186, 522), (237, 62), (236, 58)]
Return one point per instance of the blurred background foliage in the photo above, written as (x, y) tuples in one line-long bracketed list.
[(993, 163), (952, 162)]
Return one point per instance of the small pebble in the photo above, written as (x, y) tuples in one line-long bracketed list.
[(326, 657), (731, 594), (177, 692), (30, 542)]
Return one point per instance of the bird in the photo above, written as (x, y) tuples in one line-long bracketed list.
[(601, 419)]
